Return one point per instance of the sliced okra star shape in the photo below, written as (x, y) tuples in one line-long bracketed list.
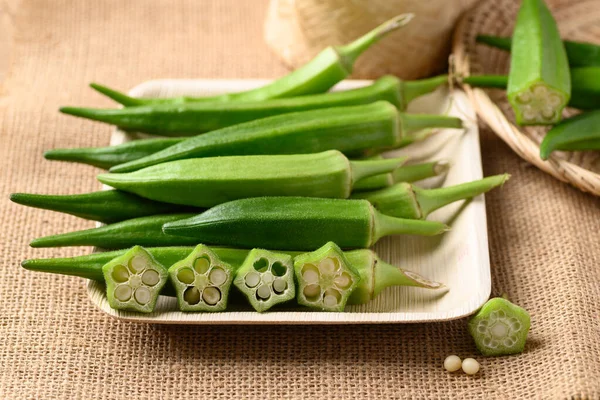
[(266, 279), (134, 280), (202, 281), (325, 278)]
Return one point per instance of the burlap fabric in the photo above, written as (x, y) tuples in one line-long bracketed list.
[(544, 242)]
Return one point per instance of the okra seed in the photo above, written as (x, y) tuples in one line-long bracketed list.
[(529, 114), (264, 292), (191, 295), (120, 273), (310, 274), (217, 276), (452, 363), (328, 266), (137, 263), (150, 277), (267, 278), (252, 279), (201, 265), (335, 294), (185, 275), (540, 91), (499, 329), (554, 100), (312, 292), (343, 281), (211, 295), (279, 285), (470, 366), (278, 269), (142, 295), (524, 97), (261, 265), (548, 112), (123, 292)]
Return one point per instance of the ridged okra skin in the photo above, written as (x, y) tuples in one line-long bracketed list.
[(144, 231), (266, 279), (329, 67), (581, 132), (202, 281), (539, 83), (326, 279), (107, 206), (134, 280), (296, 223), (206, 182)]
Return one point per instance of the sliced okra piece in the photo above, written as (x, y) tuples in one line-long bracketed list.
[(266, 279), (500, 328), (325, 278), (202, 281), (134, 280)]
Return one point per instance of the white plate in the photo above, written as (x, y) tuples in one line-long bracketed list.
[(458, 258)]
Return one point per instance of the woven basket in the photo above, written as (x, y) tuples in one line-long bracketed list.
[(577, 21)]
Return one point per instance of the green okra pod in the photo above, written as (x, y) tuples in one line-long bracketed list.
[(107, 157), (107, 206), (581, 132), (375, 274), (539, 82), (144, 231), (134, 280), (297, 223), (194, 118), (406, 173), (206, 182), (351, 130), (266, 278), (404, 200), (317, 76), (580, 54), (585, 86)]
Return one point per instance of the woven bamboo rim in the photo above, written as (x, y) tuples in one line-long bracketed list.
[(577, 21)]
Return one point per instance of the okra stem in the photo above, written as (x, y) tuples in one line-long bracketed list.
[(368, 168), (117, 96), (386, 225), (417, 88), (406, 173), (416, 122)]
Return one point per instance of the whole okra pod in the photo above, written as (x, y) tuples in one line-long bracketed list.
[(320, 74), (581, 132), (206, 182), (107, 206), (297, 223), (351, 130)]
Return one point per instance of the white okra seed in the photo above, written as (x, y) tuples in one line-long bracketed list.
[(211, 295), (343, 281), (123, 292), (452, 363), (264, 292), (252, 279), (217, 276), (327, 266), (310, 275), (329, 300), (150, 277), (138, 263), (470, 366), (120, 273), (312, 291), (201, 265), (142, 295), (185, 275), (279, 285)]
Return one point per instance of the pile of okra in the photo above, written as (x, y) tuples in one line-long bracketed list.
[(278, 191)]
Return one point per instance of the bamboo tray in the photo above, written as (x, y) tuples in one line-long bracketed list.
[(458, 258), (577, 21)]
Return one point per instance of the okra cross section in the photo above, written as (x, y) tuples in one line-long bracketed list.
[(134, 280), (325, 278), (266, 279), (202, 281)]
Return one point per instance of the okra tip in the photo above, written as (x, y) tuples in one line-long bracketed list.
[(441, 167), (115, 95)]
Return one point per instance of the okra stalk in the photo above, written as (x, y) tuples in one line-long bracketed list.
[(351, 130), (297, 223), (144, 231), (581, 132), (320, 74), (202, 281), (406, 173), (539, 83), (194, 118), (580, 54), (585, 86), (134, 280), (107, 206), (206, 182), (375, 274), (404, 200), (106, 157), (266, 279)]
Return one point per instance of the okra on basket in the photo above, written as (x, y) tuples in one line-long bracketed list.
[(193, 270)]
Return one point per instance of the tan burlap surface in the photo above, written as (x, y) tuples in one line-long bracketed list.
[(544, 242)]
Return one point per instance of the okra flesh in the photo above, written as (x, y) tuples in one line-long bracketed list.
[(297, 223), (325, 278), (347, 129), (581, 132), (144, 231), (500, 328), (107, 157), (202, 281), (206, 182), (539, 84), (134, 281), (266, 279), (107, 206)]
